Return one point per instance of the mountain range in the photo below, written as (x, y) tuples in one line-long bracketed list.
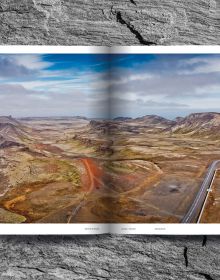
[(195, 124), (12, 131)]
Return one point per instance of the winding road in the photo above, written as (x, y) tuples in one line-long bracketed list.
[(194, 213), (93, 173)]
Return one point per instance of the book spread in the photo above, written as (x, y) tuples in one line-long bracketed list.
[(100, 140)]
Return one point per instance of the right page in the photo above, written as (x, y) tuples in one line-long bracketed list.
[(165, 110)]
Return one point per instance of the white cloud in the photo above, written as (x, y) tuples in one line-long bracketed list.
[(201, 65), (40, 96), (31, 61), (20, 102), (130, 77)]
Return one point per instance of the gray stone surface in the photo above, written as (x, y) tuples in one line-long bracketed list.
[(109, 22), (109, 257)]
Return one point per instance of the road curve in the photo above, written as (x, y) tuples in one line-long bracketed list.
[(93, 174), (194, 213)]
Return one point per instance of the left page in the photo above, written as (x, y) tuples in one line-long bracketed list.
[(52, 156)]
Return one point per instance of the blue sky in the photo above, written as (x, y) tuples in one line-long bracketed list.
[(166, 85), (53, 85), (79, 84)]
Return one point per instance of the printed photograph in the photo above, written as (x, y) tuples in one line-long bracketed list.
[(109, 138)]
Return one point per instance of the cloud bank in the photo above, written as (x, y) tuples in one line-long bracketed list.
[(133, 85), (166, 85), (43, 85)]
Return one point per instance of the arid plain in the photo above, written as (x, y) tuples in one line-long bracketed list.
[(168, 161), (77, 170), (47, 174)]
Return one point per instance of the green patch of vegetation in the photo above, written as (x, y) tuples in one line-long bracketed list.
[(68, 172), (63, 170), (128, 153), (82, 147), (10, 217), (72, 176), (120, 167)]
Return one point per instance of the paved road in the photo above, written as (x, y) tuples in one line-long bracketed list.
[(194, 213)]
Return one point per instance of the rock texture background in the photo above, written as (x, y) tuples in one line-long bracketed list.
[(109, 22), (109, 257)]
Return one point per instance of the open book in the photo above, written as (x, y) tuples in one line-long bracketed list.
[(109, 140)]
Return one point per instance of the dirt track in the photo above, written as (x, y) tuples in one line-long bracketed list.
[(94, 174)]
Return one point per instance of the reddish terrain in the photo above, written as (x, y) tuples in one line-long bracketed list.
[(94, 174), (75, 170)]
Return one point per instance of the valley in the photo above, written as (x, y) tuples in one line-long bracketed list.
[(45, 172), (159, 166), (78, 170)]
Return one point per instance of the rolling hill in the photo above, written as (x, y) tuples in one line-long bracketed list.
[(11, 132), (198, 124)]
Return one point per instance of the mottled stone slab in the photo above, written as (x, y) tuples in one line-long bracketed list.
[(110, 22), (109, 257)]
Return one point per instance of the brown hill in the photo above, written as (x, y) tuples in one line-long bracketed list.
[(103, 126), (198, 124), (154, 121), (11, 132)]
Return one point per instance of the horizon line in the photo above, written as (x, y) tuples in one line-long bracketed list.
[(111, 118)]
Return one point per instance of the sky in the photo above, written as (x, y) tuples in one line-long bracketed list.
[(166, 85), (134, 85), (38, 85)]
